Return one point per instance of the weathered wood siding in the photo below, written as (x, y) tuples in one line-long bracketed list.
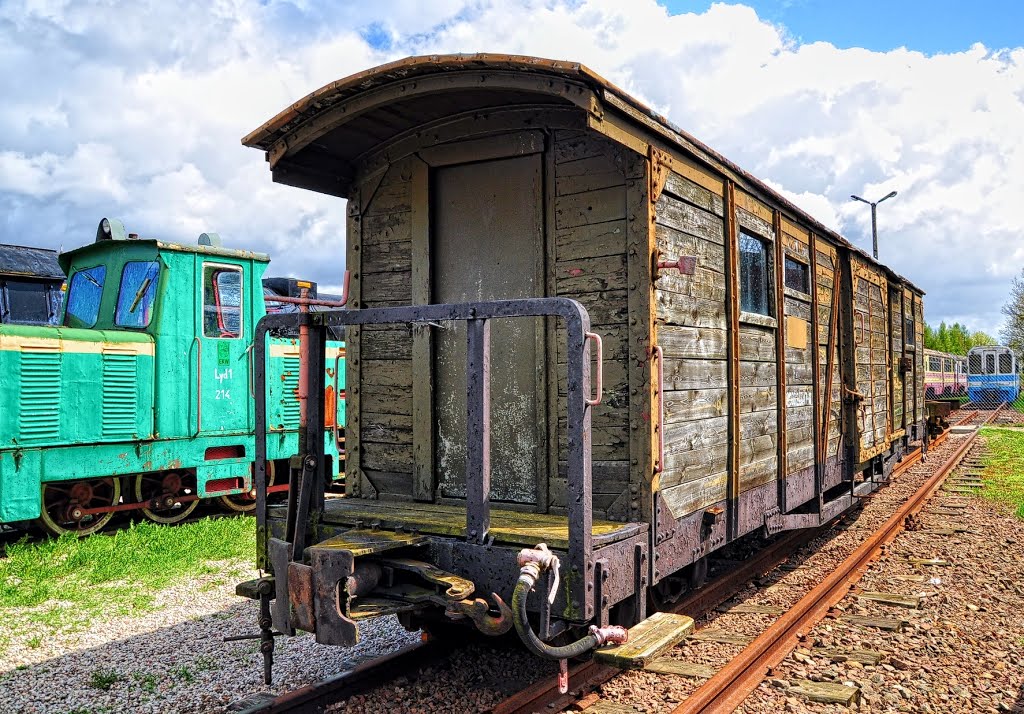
[(830, 389), (897, 376), (871, 356), (758, 422), (381, 356), (692, 331), (590, 230), (799, 355)]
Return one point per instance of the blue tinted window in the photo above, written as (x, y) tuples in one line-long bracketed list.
[(84, 297), (222, 301), (137, 294)]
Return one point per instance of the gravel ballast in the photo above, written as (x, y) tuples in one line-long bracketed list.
[(172, 659)]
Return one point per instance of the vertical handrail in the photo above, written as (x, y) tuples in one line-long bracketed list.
[(478, 430), (596, 339), (199, 385)]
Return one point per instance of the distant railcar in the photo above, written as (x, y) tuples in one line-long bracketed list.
[(30, 285), (571, 323), (945, 375), (993, 375), (141, 400)]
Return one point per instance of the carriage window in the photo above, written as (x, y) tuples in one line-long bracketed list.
[(797, 276), (947, 365), (755, 276), (26, 302), (84, 297), (1005, 363), (908, 329), (222, 301), (933, 364), (990, 363), (137, 294)]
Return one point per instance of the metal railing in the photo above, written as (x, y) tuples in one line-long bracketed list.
[(310, 494)]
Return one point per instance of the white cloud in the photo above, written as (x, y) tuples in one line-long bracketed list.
[(137, 109)]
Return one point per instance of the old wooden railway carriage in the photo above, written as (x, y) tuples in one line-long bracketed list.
[(754, 371)]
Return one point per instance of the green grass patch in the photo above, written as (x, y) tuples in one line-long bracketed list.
[(65, 584), (1004, 468), (103, 679)]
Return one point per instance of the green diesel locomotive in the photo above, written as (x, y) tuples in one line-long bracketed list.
[(141, 398)]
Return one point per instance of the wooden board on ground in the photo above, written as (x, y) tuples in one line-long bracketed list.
[(603, 706), (721, 637), (669, 665), (647, 641), (929, 561), (825, 692), (912, 602), (855, 655), (750, 609), (881, 623)]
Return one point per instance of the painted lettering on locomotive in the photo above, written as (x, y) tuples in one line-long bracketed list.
[(571, 324), (142, 398)]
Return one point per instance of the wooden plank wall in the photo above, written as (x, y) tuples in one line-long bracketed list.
[(590, 228), (870, 319), (691, 329), (799, 360), (919, 356), (897, 378), (827, 281), (758, 423), (385, 374)]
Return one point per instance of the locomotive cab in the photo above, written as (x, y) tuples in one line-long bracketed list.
[(140, 399)]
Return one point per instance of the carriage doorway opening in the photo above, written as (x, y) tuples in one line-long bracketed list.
[(488, 244)]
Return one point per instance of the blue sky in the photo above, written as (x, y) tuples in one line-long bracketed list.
[(928, 26), (143, 122)]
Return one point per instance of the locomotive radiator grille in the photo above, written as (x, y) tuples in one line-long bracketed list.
[(290, 402), (120, 397), (39, 401)]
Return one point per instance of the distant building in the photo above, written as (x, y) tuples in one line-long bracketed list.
[(30, 285)]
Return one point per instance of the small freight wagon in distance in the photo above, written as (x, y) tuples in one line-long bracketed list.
[(141, 399), (570, 323)]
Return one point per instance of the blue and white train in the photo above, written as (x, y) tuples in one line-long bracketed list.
[(992, 375)]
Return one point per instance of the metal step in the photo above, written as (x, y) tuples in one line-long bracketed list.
[(647, 641)]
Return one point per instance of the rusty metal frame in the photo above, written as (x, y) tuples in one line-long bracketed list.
[(781, 460), (309, 500), (733, 361)]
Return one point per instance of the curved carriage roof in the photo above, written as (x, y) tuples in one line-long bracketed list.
[(319, 141)]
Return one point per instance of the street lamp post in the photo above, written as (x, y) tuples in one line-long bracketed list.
[(874, 220)]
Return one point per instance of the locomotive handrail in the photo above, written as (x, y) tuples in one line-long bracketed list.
[(199, 384), (577, 324), (596, 339), (659, 355)]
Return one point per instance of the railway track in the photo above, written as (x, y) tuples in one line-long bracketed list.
[(721, 693)]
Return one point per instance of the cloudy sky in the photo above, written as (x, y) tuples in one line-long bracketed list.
[(135, 110)]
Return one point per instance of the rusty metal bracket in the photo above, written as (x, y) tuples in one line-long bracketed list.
[(478, 610), (685, 264), (661, 167)]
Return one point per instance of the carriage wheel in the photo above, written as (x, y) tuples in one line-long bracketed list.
[(245, 502), (166, 488), (63, 502)]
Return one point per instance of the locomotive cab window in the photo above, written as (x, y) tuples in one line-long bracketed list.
[(990, 363), (222, 301), (755, 275), (797, 276), (137, 294), (84, 295)]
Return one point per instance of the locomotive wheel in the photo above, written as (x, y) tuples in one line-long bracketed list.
[(167, 486), (245, 502), (62, 502)]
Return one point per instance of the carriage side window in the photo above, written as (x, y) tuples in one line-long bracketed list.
[(137, 294), (908, 329), (990, 363), (947, 365), (84, 295), (974, 363), (797, 276), (1005, 363), (755, 275), (26, 302), (933, 364), (222, 301)]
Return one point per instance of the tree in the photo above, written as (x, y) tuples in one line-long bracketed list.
[(1013, 330)]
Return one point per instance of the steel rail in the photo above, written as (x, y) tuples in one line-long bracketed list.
[(365, 676), (733, 683), (543, 695)]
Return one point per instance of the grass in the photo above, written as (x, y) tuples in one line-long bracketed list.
[(104, 679), (1004, 468), (65, 584)]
